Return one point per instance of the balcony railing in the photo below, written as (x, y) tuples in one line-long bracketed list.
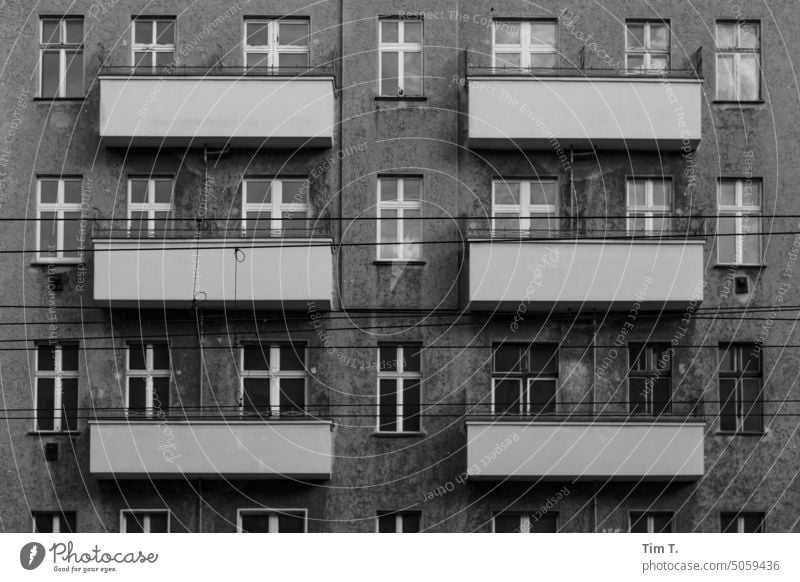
[(185, 71), (683, 73), (193, 228)]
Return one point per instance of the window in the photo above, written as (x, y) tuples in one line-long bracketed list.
[(273, 379), (511, 522), (401, 58), (521, 206), (56, 387), (647, 45), (151, 521), (649, 205), (61, 57), (54, 522), (153, 43), (399, 391), (149, 206), (739, 222), (524, 379), (59, 214), (148, 379), (738, 61), (275, 207), (650, 379), (524, 45), (742, 522), (399, 521), (399, 218), (276, 43), (272, 520), (651, 521), (740, 391)]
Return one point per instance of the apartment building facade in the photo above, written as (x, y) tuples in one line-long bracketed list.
[(359, 267)]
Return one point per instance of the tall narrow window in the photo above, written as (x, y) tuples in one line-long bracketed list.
[(524, 44), (742, 522), (148, 378), (399, 521), (59, 216), (738, 61), (145, 521), (270, 43), (149, 206), (399, 218), (649, 205), (61, 56), (513, 522), (400, 57), (524, 206), (272, 520), (740, 390), (739, 222), (399, 392), (56, 387), (650, 379), (525, 378), (153, 43), (651, 521), (647, 45), (54, 522), (275, 207), (273, 379)]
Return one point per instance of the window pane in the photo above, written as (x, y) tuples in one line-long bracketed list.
[(388, 189), (259, 192), (726, 35), (506, 192), (507, 33), (74, 80), (412, 31), (661, 389), (387, 523), (165, 32), (662, 193), (543, 34), (164, 59), (138, 190), (159, 522), (48, 191), (506, 523), (389, 31), (543, 193), (255, 522), (726, 241), (388, 226), (387, 358), (69, 357), (51, 32), (74, 30), (506, 221), (412, 234), (161, 394), (751, 240), (508, 358), (72, 226), (411, 357), (749, 35), (727, 407), (662, 523), (638, 522), (725, 78), (751, 194), (256, 357), (292, 357), (748, 78), (256, 394), (544, 359), (412, 63), (143, 31), (48, 233), (68, 522), (411, 522), (543, 60), (69, 404), (659, 62), (255, 60), (412, 189), (137, 394), (293, 192), (752, 410), (507, 396), (753, 522), (293, 60), (43, 522), (547, 523), (291, 523), (389, 80), (543, 396), (636, 62), (50, 73), (72, 191), (45, 403), (637, 395), (728, 522), (45, 358), (142, 59), (295, 33), (659, 36), (388, 405), (635, 36), (727, 193), (257, 33), (508, 60), (134, 522), (163, 191), (411, 405), (293, 396), (136, 357)]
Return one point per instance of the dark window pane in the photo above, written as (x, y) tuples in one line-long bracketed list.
[(134, 522), (74, 30), (637, 355), (389, 80), (69, 357), (48, 234), (45, 360), (163, 191), (143, 32), (164, 59), (74, 80), (506, 523), (71, 226), (547, 523), (388, 406), (292, 357), (662, 522), (48, 191), (137, 395), (256, 394), (543, 396), (727, 406), (138, 191), (752, 410), (161, 394), (256, 357), (638, 522), (387, 358), (753, 522), (159, 522), (165, 32), (69, 404), (637, 395), (728, 522), (293, 396), (751, 359), (507, 396), (69, 522), (45, 403), (411, 358), (661, 395), (507, 358), (137, 357), (51, 31), (73, 191), (43, 522), (544, 359), (255, 523), (411, 522), (50, 73), (257, 33), (387, 523), (291, 523), (160, 357), (411, 405)]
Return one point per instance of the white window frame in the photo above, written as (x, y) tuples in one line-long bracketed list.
[(151, 207), (737, 52), (149, 373), (274, 374), (274, 49), (650, 210), (651, 518), (648, 51), (123, 522), (524, 209), (63, 47), (399, 375), (739, 211), (399, 519), (525, 47), (276, 207), (740, 517), (401, 206), (524, 379), (400, 48), (273, 513), (59, 208), (56, 517), (525, 521), (153, 47), (57, 374)]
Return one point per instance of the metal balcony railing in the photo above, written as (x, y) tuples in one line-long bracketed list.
[(212, 71), (208, 228)]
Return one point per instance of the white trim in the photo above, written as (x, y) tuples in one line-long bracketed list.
[(150, 207), (148, 373), (274, 49), (63, 47), (400, 205), (57, 374), (153, 47), (274, 374), (648, 514), (399, 375), (649, 211), (523, 209), (146, 522), (59, 208), (273, 514), (525, 47), (400, 48), (738, 211), (648, 51), (736, 52), (276, 207)]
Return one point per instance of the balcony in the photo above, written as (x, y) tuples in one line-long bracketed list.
[(557, 109), (184, 107), (623, 450), (221, 449), (563, 272), (214, 268)]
